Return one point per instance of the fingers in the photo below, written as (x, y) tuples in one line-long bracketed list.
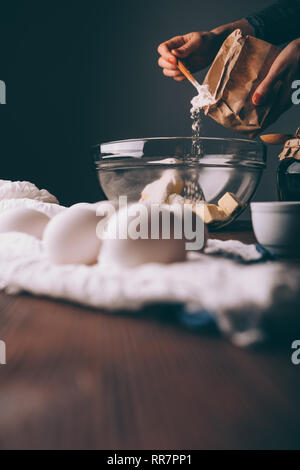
[(177, 46), (170, 68), (283, 103), (166, 54), (165, 48), (179, 78), (185, 50), (172, 73), (266, 87), (263, 90), (165, 64)]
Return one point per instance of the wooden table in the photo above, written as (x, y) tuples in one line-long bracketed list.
[(77, 378)]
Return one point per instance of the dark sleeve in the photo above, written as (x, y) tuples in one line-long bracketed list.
[(278, 23)]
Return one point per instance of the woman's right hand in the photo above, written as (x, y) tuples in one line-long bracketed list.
[(197, 49)]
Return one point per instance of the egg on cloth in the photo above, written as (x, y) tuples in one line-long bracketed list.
[(48, 208), (71, 237), (134, 237), (24, 220), (105, 206)]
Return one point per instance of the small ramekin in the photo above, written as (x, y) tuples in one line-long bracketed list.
[(276, 226)]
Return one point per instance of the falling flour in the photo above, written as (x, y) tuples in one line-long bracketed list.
[(204, 98), (192, 189)]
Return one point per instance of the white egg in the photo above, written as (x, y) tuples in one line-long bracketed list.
[(124, 247), (47, 208), (24, 220), (96, 205), (83, 205), (71, 238)]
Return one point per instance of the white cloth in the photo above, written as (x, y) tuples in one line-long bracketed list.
[(238, 295)]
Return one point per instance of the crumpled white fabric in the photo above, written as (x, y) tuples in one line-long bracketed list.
[(239, 296), (24, 189)]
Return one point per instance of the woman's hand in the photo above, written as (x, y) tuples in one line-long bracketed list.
[(285, 68), (198, 50)]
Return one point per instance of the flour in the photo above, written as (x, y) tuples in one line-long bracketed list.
[(204, 98)]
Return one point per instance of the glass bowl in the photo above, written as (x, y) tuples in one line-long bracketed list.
[(125, 167)]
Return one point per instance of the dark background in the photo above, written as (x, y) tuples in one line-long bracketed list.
[(83, 72)]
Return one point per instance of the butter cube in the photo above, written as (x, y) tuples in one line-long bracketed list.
[(209, 212), (229, 203)]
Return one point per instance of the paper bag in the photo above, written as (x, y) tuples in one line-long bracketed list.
[(240, 65)]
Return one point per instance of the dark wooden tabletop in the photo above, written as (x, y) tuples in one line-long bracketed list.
[(77, 378)]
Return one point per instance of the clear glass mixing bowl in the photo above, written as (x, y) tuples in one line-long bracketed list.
[(125, 167)]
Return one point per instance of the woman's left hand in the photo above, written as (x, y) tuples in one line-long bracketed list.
[(285, 69)]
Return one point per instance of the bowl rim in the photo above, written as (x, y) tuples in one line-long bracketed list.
[(276, 203), (275, 206), (224, 139), (235, 152)]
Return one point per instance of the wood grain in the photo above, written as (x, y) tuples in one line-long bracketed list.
[(78, 378)]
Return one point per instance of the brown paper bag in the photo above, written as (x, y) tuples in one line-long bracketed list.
[(291, 149), (240, 65)]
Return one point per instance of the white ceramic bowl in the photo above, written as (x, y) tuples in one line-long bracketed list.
[(276, 226)]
